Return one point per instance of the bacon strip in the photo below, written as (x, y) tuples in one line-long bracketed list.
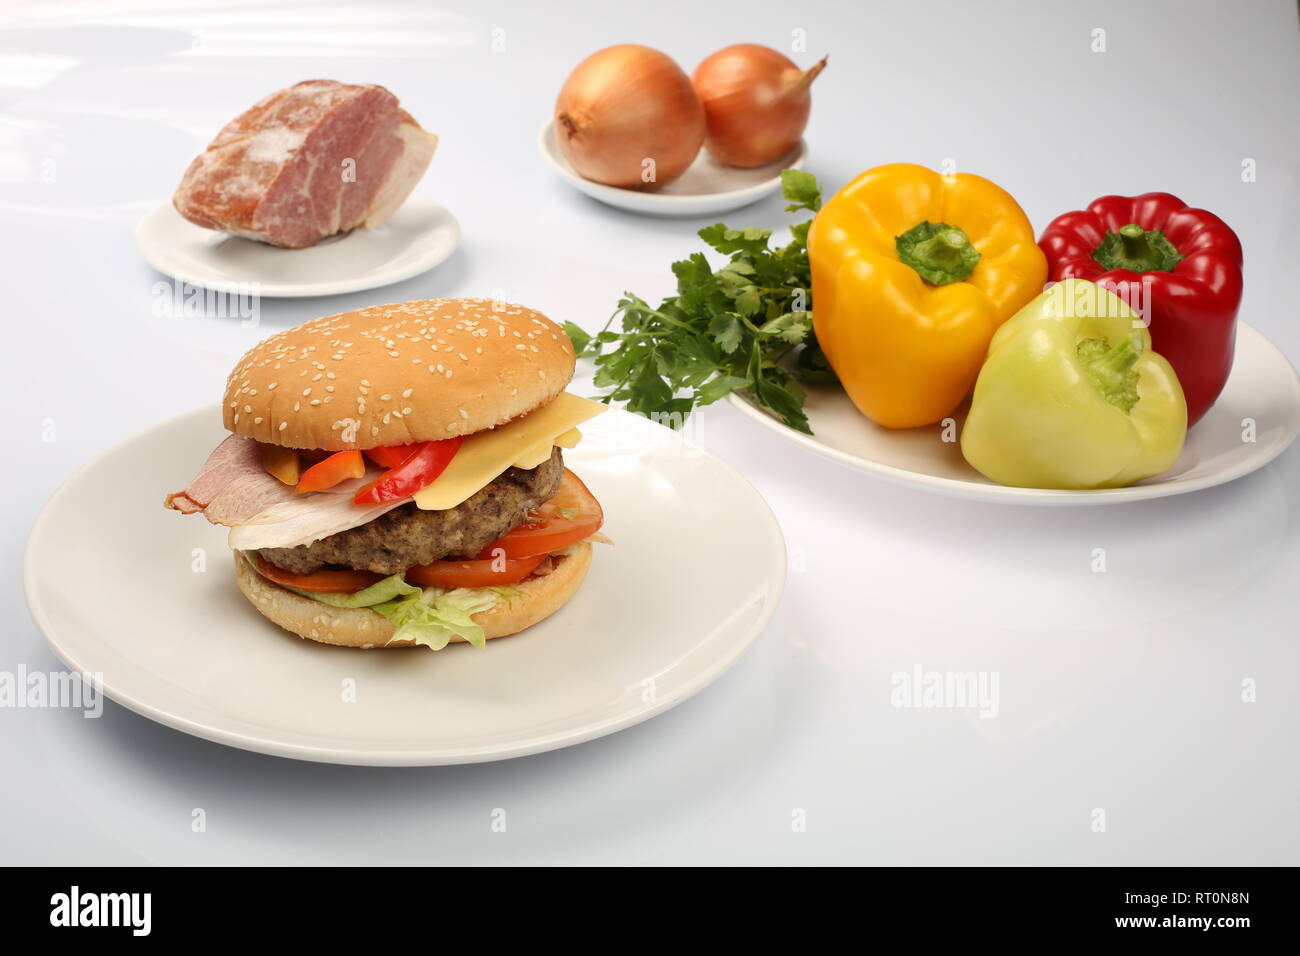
[(232, 489), (232, 486)]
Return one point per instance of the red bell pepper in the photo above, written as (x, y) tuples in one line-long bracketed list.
[(429, 460), (390, 456), (338, 467), (1180, 268)]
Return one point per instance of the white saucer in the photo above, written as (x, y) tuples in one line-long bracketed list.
[(707, 186), (1263, 388), (420, 235), (684, 590)]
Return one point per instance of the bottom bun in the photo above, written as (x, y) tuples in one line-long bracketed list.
[(361, 627)]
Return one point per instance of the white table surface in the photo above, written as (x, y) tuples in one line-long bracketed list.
[(1120, 691)]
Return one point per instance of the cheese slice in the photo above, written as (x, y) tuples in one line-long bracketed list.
[(484, 455), (542, 451), (569, 439)]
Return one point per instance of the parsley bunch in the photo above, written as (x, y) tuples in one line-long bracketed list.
[(746, 326)]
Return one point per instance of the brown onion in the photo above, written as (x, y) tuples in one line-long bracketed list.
[(756, 102), (628, 116)]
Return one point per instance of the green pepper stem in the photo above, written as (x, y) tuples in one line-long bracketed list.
[(942, 251), (1137, 250), (1111, 369), (939, 253)]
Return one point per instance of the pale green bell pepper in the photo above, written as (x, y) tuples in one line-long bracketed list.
[(1071, 396)]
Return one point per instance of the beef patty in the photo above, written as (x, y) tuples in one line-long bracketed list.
[(408, 536)]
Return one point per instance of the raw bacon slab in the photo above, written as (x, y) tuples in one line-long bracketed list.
[(306, 163)]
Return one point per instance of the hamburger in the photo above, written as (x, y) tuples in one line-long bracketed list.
[(395, 475)]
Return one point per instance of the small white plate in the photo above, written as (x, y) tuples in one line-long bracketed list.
[(420, 235), (1263, 387), (707, 186), (147, 598)]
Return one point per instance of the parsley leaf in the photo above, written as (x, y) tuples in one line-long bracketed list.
[(802, 190), (745, 326)]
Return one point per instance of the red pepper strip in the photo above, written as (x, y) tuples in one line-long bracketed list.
[(339, 466), (390, 456), (417, 471), (1179, 267)]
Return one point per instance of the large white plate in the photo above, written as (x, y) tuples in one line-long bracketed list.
[(707, 186), (685, 589), (1263, 388), (420, 235)]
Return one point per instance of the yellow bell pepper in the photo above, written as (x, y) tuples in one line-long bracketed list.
[(1072, 396), (912, 273)]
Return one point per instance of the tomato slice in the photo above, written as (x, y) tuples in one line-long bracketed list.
[(571, 515), (420, 468), (322, 582), (473, 574), (390, 456), (339, 466)]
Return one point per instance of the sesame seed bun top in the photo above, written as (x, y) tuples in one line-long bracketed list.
[(395, 374)]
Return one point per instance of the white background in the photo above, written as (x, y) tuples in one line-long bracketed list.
[(1120, 691)]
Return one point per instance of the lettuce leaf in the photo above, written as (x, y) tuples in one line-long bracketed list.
[(428, 616), (435, 616)]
